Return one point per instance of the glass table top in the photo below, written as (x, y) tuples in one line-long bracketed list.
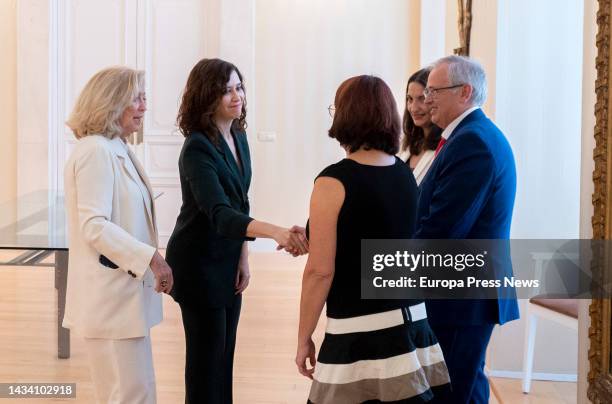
[(34, 221)]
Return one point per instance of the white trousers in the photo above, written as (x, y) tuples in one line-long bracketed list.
[(122, 370)]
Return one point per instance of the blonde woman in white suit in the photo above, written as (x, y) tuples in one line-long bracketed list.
[(115, 274)]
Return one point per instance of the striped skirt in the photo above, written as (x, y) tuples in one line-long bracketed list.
[(388, 357)]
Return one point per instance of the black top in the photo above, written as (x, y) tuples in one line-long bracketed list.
[(379, 203), (206, 243)]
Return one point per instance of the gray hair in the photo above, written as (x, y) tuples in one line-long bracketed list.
[(465, 70)]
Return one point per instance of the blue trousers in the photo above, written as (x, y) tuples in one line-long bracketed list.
[(464, 349)]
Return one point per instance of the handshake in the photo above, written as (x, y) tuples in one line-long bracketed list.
[(292, 240)]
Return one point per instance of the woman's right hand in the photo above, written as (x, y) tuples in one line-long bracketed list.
[(162, 272), (293, 240), (305, 351)]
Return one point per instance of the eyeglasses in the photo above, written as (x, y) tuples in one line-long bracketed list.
[(433, 91), (332, 110)]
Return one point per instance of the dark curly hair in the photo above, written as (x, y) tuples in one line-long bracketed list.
[(414, 136), (205, 86), (366, 116)]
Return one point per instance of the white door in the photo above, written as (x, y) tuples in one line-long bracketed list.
[(163, 37)]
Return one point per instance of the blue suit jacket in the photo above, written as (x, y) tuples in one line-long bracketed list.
[(468, 193)]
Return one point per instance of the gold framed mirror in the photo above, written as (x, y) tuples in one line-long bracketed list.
[(600, 369)]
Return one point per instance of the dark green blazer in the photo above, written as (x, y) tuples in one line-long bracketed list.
[(205, 245)]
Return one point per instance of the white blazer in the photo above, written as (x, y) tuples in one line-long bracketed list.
[(109, 213), (422, 166)]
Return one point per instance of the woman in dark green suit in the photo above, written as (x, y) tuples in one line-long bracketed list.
[(207, 250)]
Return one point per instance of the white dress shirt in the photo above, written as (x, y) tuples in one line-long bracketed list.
[(453, 125)]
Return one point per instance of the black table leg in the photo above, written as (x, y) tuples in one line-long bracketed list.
[(61, 277)]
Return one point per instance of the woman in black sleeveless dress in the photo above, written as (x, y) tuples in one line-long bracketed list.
[(374, 350)]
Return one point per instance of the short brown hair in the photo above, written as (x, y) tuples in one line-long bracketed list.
[(205, 86), (366, 116)]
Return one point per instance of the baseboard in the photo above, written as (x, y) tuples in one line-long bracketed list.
[(551, 377)]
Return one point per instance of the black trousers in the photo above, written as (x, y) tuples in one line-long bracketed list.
[(210, 336)]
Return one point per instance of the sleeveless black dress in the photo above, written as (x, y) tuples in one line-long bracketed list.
[(374, 350)]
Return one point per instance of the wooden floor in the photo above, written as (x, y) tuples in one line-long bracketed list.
[(264, 368)]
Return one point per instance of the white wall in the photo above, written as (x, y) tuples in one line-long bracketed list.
[(484, 45), (433, 31), (538, 106), (8, 103), (304, 50), (32, 95), (539, 103), (237, 41)]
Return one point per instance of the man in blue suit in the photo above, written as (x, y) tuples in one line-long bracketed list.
[(468, 193)]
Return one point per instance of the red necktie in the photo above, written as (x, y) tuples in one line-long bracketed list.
[(440, 144)]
